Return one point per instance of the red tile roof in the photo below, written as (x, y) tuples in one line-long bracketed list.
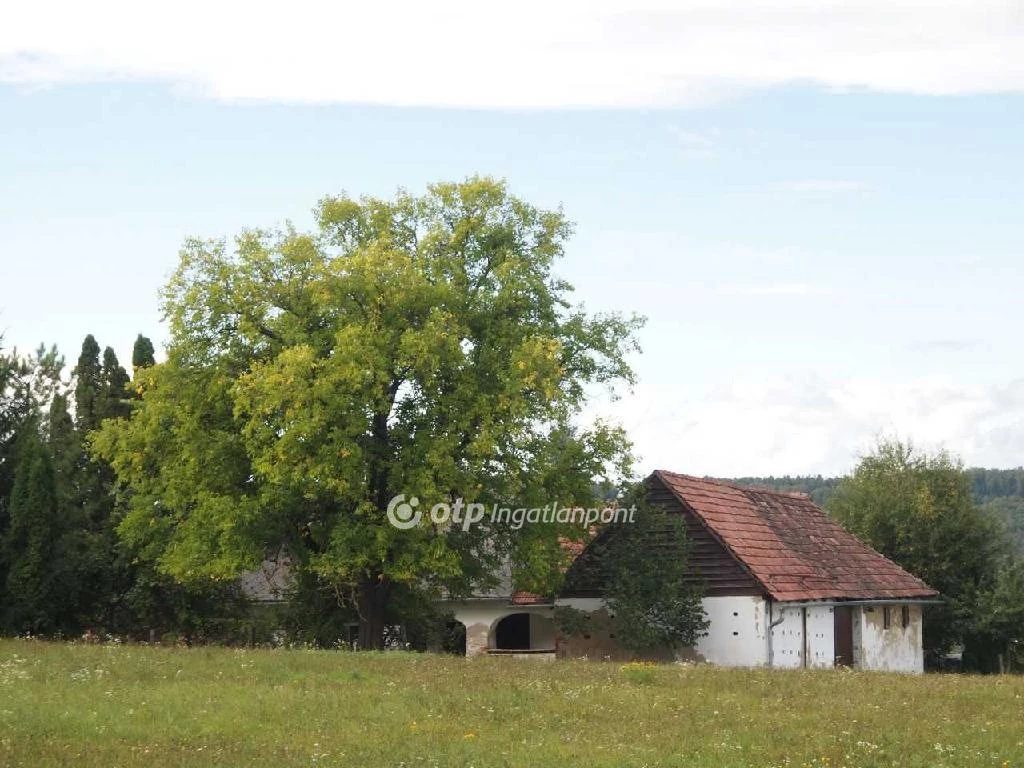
[(790, 546), (522, 597)]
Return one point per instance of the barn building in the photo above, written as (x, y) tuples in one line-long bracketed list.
[(784, 586)]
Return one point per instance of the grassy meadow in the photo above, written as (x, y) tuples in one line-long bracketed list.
[(110, 705)]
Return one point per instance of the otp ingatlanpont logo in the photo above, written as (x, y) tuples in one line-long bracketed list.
[(404, 514)]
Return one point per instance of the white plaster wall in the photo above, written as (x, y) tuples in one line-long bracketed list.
[(542, 631), (480, 611), (737, 633), (787, 637), (821, 637), (481, 616), (897, 649), (589, 604)]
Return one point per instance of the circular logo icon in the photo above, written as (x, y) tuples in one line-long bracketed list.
[(404, 514)]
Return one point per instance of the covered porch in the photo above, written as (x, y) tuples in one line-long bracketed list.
[(501, 627)]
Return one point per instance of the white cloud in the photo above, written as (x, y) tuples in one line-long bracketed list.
[(819, 186), (693, 144), (529, 54), (942, 346), (778, 424), (772, 289)]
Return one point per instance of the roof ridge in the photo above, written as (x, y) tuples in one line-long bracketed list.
[(736, 486)]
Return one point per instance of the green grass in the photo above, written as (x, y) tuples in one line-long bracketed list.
[(93, 705)]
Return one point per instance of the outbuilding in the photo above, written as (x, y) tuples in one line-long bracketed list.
[(784, 586)]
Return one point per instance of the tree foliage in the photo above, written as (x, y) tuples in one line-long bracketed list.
[(917, 509), (88, 375), (62, 568), (651, 594), (32, 591), (142, 353), (641, 568), (417, 345)]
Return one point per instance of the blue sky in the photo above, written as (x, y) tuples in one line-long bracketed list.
[(821, 259)]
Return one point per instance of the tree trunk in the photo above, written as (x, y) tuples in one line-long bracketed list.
[(373, 600)]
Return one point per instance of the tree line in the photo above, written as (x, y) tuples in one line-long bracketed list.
[(63, 568)]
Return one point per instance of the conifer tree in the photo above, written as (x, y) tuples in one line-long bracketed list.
[(142, 353), (88, 386), (32, 593), (114, 381)]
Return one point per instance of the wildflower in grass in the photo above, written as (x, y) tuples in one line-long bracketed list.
[(638, 671)]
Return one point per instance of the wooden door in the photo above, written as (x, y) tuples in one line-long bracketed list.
[(844, 635)]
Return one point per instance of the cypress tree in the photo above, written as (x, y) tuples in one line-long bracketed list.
[(66, 452), (114, 383), (32, 592), (142, 353), (88, 386)]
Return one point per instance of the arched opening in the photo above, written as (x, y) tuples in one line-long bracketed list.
[(512, 633), (523, 632)]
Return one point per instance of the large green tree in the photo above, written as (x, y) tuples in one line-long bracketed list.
[(916, 508), (418, 345)]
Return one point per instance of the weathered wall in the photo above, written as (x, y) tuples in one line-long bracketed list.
[(820, 641), (736, 635), (481, 616), (542, 631), (805, 637), (600, 643), (787, 637), (896, 649)]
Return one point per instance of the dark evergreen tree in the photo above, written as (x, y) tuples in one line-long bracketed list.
[(65, 451), (13, 407), (32, 593), (142, 353), (114, 380), (88, 386)]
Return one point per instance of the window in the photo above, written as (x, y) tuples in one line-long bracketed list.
[(905, 616), (887, 617)]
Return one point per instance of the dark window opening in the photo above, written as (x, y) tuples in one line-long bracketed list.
[(886, 617), (905, 611), (513, 633)]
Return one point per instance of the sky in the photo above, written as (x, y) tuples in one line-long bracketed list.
[(817, 206)]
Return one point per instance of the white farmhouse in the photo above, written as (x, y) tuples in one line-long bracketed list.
[(785, 586)]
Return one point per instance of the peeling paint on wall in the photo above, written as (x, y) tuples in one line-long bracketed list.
[(737, 634), (896, 649)]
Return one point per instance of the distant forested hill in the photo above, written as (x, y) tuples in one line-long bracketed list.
[(999, 490)]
